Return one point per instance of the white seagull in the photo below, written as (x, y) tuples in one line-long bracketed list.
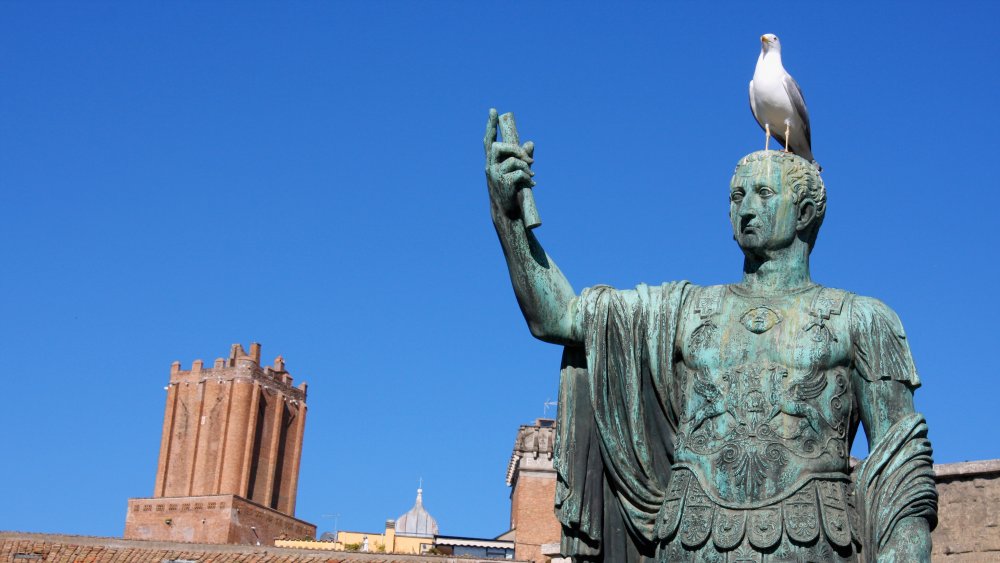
[(777, 103)]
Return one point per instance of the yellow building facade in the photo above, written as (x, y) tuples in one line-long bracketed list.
[(411, 533)]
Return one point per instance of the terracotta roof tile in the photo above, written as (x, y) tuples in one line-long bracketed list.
[(56, 548)]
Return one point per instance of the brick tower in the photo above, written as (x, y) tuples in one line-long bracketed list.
[(532, 480), (229, 456)]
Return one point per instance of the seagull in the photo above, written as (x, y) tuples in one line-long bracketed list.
[(777, 103)]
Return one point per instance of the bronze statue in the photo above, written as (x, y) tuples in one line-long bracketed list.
[(715, 423)]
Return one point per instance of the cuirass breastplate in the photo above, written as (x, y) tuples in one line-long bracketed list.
[(763, 393)]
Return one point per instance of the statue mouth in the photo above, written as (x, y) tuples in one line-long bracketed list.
[(748, 226)]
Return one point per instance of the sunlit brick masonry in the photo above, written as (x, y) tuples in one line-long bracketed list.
[(229, 456)]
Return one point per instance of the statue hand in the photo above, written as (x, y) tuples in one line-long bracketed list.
[(508, 169)]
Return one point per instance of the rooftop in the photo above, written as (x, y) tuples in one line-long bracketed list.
[(18, 546)]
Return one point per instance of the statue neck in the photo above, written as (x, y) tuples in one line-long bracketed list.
[(777, 271)]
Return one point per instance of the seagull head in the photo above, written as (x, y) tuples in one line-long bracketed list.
[(769, 42)]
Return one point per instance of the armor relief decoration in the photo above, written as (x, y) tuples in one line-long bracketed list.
[(819, 510), (752, 425)]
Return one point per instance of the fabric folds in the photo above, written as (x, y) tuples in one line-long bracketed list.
[(613, 447), (880, 347), (894, 482)]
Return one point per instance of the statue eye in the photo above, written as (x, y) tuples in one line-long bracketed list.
[(736, 196), (765, 192)]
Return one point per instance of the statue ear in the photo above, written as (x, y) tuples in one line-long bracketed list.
[(806, 214)]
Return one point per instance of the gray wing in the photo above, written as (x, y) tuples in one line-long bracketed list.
[(799, 105)]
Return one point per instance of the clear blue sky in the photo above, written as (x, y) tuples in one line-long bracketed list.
[(178, 177)]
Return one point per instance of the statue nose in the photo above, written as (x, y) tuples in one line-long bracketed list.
[(748, 210), (751, 206)]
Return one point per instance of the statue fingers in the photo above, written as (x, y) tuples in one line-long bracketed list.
[(500, 152), (491, 131), (529, 148), (514, 163), (518, 179)]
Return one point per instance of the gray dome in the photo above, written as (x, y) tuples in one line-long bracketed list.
[(417, 522)]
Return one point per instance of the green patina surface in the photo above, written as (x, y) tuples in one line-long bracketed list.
[(715, 423)]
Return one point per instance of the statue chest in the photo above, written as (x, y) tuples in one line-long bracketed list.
[(762, 391)]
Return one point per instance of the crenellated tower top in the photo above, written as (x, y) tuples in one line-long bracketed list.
[(240, 367), (234, 428)]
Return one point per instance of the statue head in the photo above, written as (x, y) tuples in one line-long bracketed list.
[(776, 199)]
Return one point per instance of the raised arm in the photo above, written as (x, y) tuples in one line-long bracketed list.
[(546, 298), (896, 482)]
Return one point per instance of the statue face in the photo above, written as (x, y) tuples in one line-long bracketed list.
[(762, 211)]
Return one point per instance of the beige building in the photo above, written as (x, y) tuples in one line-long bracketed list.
[(968, 511), (413, 532)]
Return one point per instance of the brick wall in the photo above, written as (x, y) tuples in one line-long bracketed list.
[(968, 512), (535, 519), (532, 479), (211, 519), (235, 428), (229, 455)]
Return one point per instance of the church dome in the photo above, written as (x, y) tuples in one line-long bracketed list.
[(417, 521)]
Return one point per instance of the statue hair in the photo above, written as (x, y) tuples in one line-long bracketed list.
[(804, 179)]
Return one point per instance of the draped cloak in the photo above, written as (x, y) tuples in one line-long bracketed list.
[(616, 422)]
